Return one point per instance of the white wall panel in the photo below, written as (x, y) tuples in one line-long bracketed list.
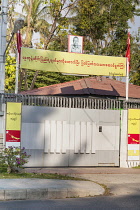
[(53, 136), (56, 136), (59, 135), (72, 136), (83, 141), (93, 138), (65, 137), (32, 135), (47, 145), (88, 138), (77, 137)]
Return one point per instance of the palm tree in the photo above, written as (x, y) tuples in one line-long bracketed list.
[(48, 20), (33, 12)]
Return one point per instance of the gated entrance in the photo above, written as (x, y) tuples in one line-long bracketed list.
[(71, 137), (61, 131)]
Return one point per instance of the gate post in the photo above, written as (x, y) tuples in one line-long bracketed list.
[(123, 140)]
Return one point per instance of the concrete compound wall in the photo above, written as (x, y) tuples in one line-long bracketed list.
[(71, 137)]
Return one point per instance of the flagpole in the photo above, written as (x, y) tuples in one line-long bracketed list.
[(18, 52), (17, 72), (127, 78), (127, 66)]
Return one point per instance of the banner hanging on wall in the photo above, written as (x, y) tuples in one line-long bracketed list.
[(72, 63), (133, 134), (13, 124)]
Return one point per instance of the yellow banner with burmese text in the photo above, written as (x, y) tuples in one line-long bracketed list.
[(133, 134), (134, 121), (72, 63), (13, 116)]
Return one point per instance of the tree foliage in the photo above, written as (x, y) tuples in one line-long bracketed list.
[(103, 23), (49, 18), (10, 69), (135, 60)]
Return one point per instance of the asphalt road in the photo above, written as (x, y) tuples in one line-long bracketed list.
[(97, 203)]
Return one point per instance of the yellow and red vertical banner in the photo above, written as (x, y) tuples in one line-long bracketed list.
[(13, 124), (134, 134)]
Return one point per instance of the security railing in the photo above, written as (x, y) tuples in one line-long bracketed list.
[(69, 102)]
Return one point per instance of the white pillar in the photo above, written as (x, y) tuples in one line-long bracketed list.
[(3, 28), (124, 140)]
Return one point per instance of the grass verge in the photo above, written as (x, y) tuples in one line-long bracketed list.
[(137, 167), (5, 175)]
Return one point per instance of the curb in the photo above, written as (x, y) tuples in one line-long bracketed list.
[(51, 193)]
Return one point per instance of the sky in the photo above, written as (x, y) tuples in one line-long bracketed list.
[(135, 25)]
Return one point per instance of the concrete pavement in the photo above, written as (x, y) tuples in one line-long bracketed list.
[(21, 189), (85, 170), (120, 181)]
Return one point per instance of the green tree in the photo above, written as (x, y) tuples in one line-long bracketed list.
[(49, 18), (104, 24), (135, 59), (10, 70), (46, 78), (33, 12)]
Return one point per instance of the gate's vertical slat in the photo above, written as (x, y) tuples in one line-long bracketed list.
[(75, 103), (93, 134), (65, 137), (84, 105), (77, 137), (83, 137), (88, 138), (53, 137), (95, 104), (58, 136), (71, 136), (73, 99), (47, 136), (70, 103)]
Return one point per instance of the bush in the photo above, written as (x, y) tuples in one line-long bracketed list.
[(13, 158)]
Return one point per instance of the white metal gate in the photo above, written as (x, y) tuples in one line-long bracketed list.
[(71, 137)]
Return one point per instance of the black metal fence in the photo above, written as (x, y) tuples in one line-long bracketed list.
[(67, 102)]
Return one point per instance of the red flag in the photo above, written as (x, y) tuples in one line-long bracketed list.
[(128, 48), (19, 43)]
